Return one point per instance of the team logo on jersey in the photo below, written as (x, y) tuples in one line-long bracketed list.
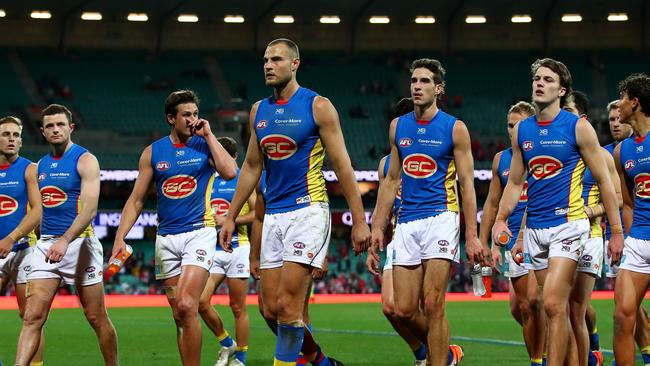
[(279, 110), (41, 177), (162, 165), (53, 196), (642, 185), (544, 167), (179, 186), (220, 206), (422, 130), (527, 145), (639, 149), (524, 192), (261, 124), (419, 166), (405, 142), (629, 164), (278, 147), (8, 205), (506, 173), (54, 165)]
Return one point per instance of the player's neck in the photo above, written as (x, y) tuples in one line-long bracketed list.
[(548, 112), (179, 139), (425, 112), (616, 142), (641, 125), (59, 149), (286, 91), (7, 159)]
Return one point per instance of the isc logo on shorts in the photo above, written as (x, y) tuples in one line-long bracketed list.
[(8, 205), (53, 196), (419, 166), (278, 147), (524, 192), (544, 167), (179, 186), (642, 185), (220, 206)]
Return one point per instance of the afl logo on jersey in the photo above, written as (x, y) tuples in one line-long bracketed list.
[(278, 147), (524, 192), (179, 186), (642, 185), (544, 167), (8, 205), (629, 165), (53, 196), (527, 145), (261, 124), (419, 166), (220, 206), (505, 173), (405, 142), (162, 166), (41, 177)]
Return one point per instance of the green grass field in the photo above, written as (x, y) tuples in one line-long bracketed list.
[(357, 334)]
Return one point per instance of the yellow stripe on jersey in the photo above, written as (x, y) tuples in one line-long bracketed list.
[(576, 203), (242, 230), (450, 187), (208, 216), (31, 237), (593, 198), (88, 232), (277, 362), (315, 182)]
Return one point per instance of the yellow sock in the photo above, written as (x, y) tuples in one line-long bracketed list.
[(277, 362), (40, 363), (645, 350), (223, 336), (595, 329), (536, 360), (242, 348)]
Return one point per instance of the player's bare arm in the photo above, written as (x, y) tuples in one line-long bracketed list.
[(88, 169), (476, 251), (219, 157), (372, 261), (327, 120), (627, 190), (490, 209), (598, 209)]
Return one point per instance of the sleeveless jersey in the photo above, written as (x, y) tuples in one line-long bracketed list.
[(608, 229), (14, 202), (517, 215), (426, 150), (555, 170), (293, 152), (635, 160), (591, 196), (222, 193), (60, 186), (398, 197), (184, 178)]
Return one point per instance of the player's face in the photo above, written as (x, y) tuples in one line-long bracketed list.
[(619, 130), (571, 107), (424, 91), (279, 65), (57, 129), (626, 107), (10, 139), (513, 119), (185, 114), (546, 86)]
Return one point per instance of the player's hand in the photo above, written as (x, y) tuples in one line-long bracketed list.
[(360, 237), (615, 248), (6, 245), (477, 252), (255, 267), (119, 246), (320, 273), (225, 235), (200, 127), (377, 240), (57, 250), (497, 258), (499, 227), (219, 219), (372, 262), (517, 250)]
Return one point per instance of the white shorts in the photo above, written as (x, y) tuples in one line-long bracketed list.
[(610, 270), (591, 260), (233, 265), (15, 266), (390, 253), (566, 240), (428, 238), (512, 269), (82, 264), (636, 255), (195, 248), (300, 236)]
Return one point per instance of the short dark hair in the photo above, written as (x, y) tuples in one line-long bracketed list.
[(291, 45), (522, 107), (432, 65), (179, 97), (11, 119), (53, 109), (229, 144), (637, 86), (581, 101), (404, 106), (559, 68)]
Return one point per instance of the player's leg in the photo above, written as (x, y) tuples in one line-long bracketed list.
[(22, 302), (269, 280), (580, 298), (211, 317), (39, 294), (538, 321), (630, 290), (436, 280), (92, 301), (188, 291), (592, 328), (238, 272), (519, 290), (641, 334), (514, 303)]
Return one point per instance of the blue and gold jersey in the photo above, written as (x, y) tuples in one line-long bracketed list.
[(426, 150), (555, 170), (635, 161), (517, 215), (60, 185), (293, 152), (14, 201), (591, 197), (221, 197), (183, 177)]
